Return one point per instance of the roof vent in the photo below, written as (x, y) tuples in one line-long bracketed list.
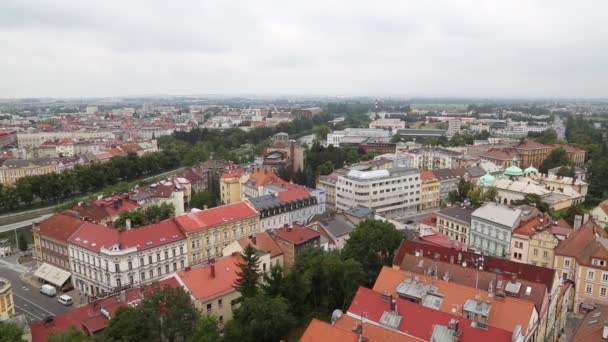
[(528, 290)]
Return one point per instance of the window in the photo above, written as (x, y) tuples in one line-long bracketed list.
[(173, 251), (130, 265), (159, 271), (605, 277), (566, 263), (151, 273), (603, 291), (209, 307), (118, 282), (220, 303), (221, 319), (166, 268), (117, 267), (590, 275), (166, 254), (535, 252), (545, 254), (150, 259), (157, 256), (131, 279), (142, 276), (589, 289), (141, 261)]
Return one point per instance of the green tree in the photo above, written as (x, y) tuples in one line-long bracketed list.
[(201, 199), (566, 171), (321, 132), (372, 244), (131, 324), (248, 273), (22, 241), (10, 332), (548, 136), (70, 335), (535, 200), (206, 330), (557, 157), (274, 282), (461, 192), (260, 318)]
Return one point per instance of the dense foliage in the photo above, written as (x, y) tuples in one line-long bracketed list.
[(142, 217), (10, 332), (557, 157)]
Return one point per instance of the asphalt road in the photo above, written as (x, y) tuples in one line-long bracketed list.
[(28, 299)]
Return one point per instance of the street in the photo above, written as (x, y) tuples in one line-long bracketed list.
[(28, 299)]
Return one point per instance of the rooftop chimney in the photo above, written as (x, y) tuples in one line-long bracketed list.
[(212, 265), (128, 224), (393, 305), (578, 222)]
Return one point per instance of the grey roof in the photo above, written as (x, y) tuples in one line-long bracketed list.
[(265, 202), (360, 212), (478, 306), (476, 171), (336, 224), (497, 213), (462, 214), (16, 163), (444, 174), (421, 132)]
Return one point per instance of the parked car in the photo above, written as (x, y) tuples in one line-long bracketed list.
[(48, 290), (65, 300)]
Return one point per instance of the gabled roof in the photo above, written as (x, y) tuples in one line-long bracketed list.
[(531, 144), (342, 330), (418, 320), (208, 218), (211, 280), (506, 313), (264, 242), (60, 226), (462, 214), (588, 242), (296, 234), (591, 326), (335, 223)]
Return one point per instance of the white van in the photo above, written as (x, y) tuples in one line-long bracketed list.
[(48, 290), (65, 300)]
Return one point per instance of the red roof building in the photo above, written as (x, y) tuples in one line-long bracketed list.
[(51, 238), (206, 219), (417, 320), (293, 240)]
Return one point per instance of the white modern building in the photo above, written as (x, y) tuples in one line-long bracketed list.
[(105, 259), (335, 137), (390, 193), (491, 228), (390, 124)]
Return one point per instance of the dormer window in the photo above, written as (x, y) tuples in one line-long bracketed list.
[(599, 262)]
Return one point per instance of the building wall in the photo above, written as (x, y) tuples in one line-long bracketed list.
[(221, 307), (51, 251), (590, 284), (209, 243), (289, 253), (541, 252), (430, 194), (330, 193), (7, 305), (490, 237), (35, 139), (519, 248), (230, 190), (9, 176), (534, 157), (599, 216), (455, 230), (396, 195), (95, 272)]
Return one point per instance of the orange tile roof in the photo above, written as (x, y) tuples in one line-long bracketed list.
[(60, 226), (264, 242), (591, 327), (531, 144), (208, 218), (497, 154), (296, 234), (262, 177), (430, 220), (506, 313), (203, 284), (319, 331), (530, 227), (427, 175)]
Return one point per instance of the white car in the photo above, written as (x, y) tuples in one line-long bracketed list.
[(65, 300)]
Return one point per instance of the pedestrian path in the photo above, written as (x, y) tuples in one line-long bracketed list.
[(15, 267)]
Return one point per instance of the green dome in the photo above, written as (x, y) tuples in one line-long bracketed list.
[(530, 169), (487, 180), (513, 170)]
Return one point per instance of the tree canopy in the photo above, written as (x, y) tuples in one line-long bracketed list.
[(201, 199), (372, 244), (248, 273), (142, 217), (557, 157), (10, 332)]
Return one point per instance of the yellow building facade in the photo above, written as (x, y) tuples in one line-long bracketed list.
[(541, 249), (7, 305), (230, 188), (430, 195)]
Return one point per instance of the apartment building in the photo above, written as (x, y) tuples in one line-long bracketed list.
[(209, 231), (328, 185), (583, 259), (231, 186), (51, 238), (292, 240), (212, 287), (7, 304), (103, 259), (532, 153), (432, 158), (430, 194), (268, 250), (600, 213), (491, 228), (12, 169), (36, 139), (390, 124), (535, 240), (455, 222), (390, 193)]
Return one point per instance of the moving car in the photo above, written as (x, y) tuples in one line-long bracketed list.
[(48, 290), (65, 300)]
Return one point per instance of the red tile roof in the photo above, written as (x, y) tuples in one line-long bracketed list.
[(94, 236), (591, 326), (208, 218), (262, 242), (341, 331), (296, 234), (531, 144), (534, 225), (430, 220), (529, 272), (497, 154), (588, 242), (60, 226), (441, 240), (418, 320), (293, 194), (89, 318), (203, 285), (506, 313), (427, 175)]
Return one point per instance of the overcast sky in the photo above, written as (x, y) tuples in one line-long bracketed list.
[(503, 48)]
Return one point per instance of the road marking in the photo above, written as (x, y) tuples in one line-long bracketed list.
[(34, 304), (16, 267), (27, 312)]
